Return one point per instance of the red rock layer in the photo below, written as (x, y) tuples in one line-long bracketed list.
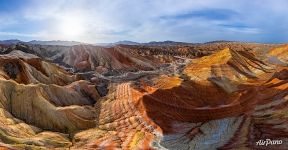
[(245, 101), (38, 100), (125, 127), (228, 100), (26, 68), (90, 57)]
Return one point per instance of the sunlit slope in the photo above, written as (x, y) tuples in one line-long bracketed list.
[(193, 111), (229, 64), (86, 57), (228, 100), (37, 97), (279, 55)]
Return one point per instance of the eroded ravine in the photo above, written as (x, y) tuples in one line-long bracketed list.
[(228, 100)]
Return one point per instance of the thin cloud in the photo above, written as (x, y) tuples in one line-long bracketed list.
[(149, 20), (207, 14), (18, 34)]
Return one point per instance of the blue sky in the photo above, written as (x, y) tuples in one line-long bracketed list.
[(96, 21)]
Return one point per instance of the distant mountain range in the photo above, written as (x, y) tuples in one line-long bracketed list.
[(58, 42), (167, 43), (36, 42), (152, 43), (11, 41), (118, 43), (125, 42)]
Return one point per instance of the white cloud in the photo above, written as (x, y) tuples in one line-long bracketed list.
[(17, 34), (112, 20)]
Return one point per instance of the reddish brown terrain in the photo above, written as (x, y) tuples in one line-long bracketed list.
[(225, 95)]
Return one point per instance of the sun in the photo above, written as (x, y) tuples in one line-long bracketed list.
[(71, 28)]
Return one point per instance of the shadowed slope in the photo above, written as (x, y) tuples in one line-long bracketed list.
[(85, 57), (35, 96), (27, 68), (228, 100), (279, 55), (211, 106)]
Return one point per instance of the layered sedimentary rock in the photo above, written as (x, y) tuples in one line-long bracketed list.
[(279, 55), (228, 100), (38, 97), (27, 68), (85, 57)]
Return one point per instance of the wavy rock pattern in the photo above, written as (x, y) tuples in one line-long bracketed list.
[(85, 57), (228, 100), (279, 55), (198, 113), (121, 124), (45, 97)]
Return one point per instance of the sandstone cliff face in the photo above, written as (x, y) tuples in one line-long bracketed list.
[(227, 100)]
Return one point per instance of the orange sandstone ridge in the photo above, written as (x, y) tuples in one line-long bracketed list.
[(227, 100), (199, 113)]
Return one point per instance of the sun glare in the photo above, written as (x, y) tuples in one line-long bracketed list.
[(71, 28)]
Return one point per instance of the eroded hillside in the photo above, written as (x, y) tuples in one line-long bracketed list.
[(203, 96)]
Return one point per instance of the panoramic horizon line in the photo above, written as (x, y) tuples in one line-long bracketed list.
[(137, 42)]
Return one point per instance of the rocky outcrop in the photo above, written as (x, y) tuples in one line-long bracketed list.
[(228, 100), (27, 68), (279, 55), (41, 104), (85, 57), (245, 102)]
